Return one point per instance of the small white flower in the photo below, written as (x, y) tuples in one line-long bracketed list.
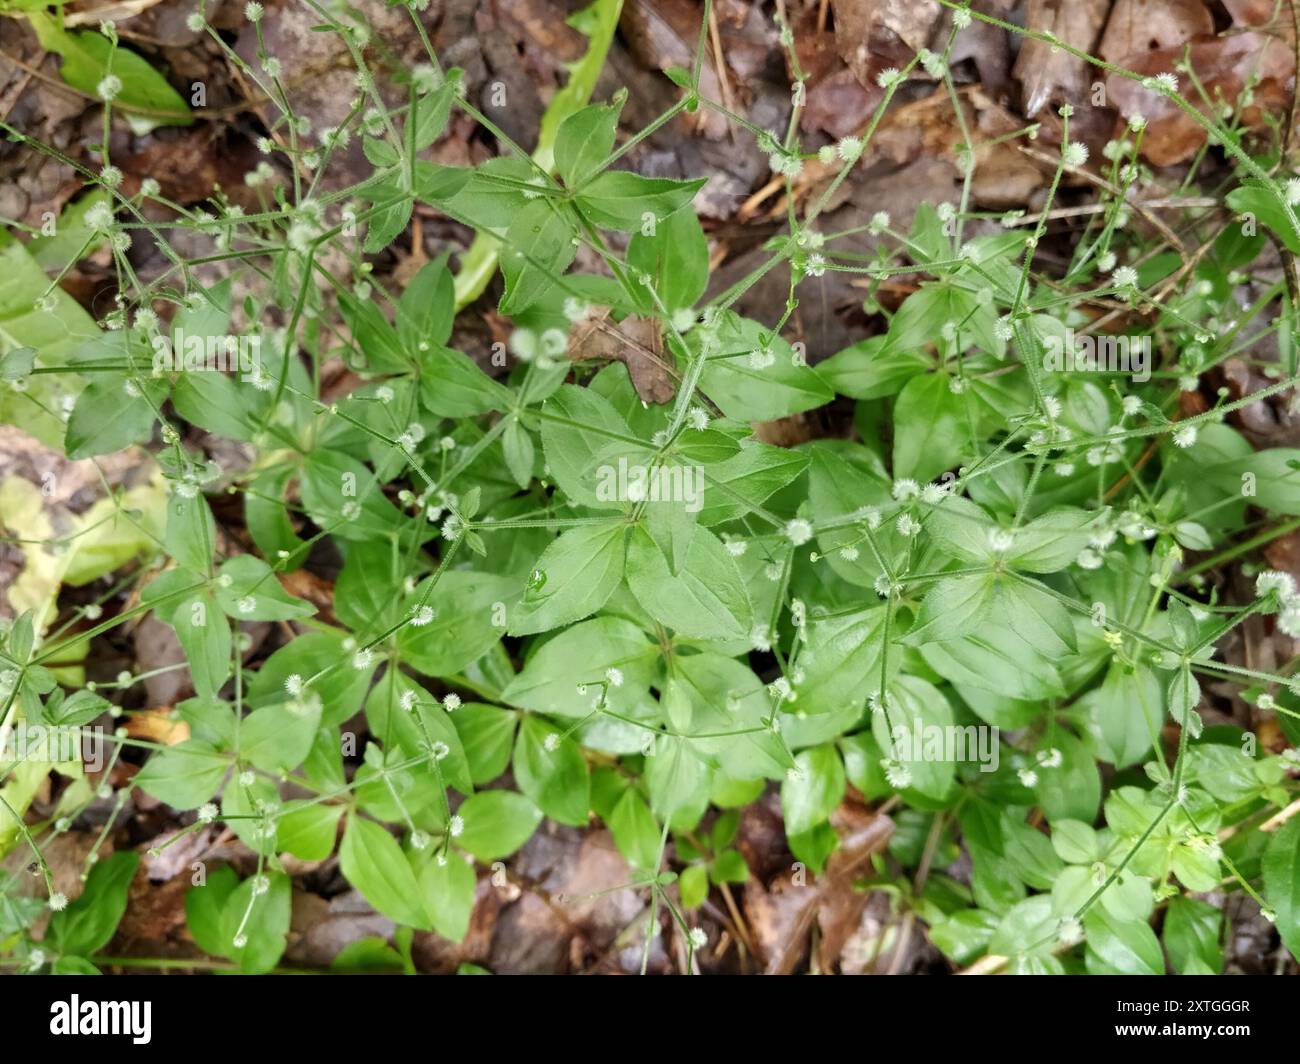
[(1052, 406), (698, 938), (194, 22), (905, 488), (420, 616), (293, 683), (271, 66), (885, 587), (737, 547), (1001, 540), (412, 437), (614, 676), (1137, 121), (100, 217), (1185, 436), (207, 813), (456, 826), (1266, 701), (439, 750), (1131, 405), (889, 76), (108, 88), (1272, 582), (1063, 469), (1075, 153), (363, 659), (933, 64), (1069, 932), (760, 640), (1165, 82), (551, 743), (879, 223), (247, 778), (407, 700), (849, 149), (1088, 559), (1124, 277), (1028, 776), (240, 941), (798, 531), (815, 265), (247, 604), (253, 11), (898, 775), (961, 18), (849, 553), (1050, 758), (300, 237), (419, 840), (907, 525), (1002, 328), (699, 418), (1293, 191), (58, 901)]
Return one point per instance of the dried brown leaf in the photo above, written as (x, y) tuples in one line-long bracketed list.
[(636, 342), (874, 35), (1222, 65), (1046, 75), (782, 914), (1137, 26), (665, 34)]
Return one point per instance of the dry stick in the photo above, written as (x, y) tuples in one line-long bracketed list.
[(1281, 817), (1166, 289), (742, 929), (1173, 203), (125, 9), (1100, 182), (720, 64), (1295, 76)]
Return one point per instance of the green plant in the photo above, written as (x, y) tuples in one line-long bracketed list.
[(638, 607)]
